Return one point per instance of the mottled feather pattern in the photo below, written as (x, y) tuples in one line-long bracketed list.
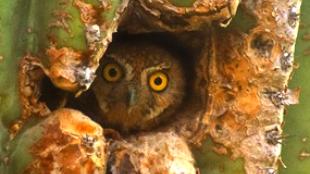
[(138, 60)]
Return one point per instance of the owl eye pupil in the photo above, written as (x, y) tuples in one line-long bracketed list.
[(158, 81), (112, 72)]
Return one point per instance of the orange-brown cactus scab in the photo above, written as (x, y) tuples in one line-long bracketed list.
[(166, 15), (67, 70), (71, 69), (30, 77), (243, 90), (70, 143)]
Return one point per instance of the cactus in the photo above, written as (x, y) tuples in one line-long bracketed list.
[(241, 68), (32, 32), (296, 145)]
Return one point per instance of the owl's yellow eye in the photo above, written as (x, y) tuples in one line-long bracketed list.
[(158, 81), (112, 72)]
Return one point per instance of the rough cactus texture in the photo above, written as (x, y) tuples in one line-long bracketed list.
[(151, 153), (238, 88), (295, 151), (70, 143)]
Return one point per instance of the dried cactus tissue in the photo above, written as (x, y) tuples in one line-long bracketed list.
[(146, 86)]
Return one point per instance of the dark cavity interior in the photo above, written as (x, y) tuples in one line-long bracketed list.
[(181, 44)]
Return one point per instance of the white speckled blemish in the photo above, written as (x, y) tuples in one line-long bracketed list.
[(93, 33)]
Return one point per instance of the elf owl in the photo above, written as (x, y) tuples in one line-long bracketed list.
[(138, 84)]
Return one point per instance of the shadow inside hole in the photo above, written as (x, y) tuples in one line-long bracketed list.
[(183, 47), (53, 97)]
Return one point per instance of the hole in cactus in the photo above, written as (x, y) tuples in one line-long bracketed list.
[(88, 103), (52, 96), (187, 50)]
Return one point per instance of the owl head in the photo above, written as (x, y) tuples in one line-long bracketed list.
[(138, 84)]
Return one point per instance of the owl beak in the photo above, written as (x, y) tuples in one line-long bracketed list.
[(132, 96)]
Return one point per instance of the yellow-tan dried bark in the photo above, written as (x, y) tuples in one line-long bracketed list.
[(156, 153), (64, 62), (70, 143), (30, 76), (88, 13), (239, 85)]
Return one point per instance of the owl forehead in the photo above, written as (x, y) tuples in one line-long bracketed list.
[(141, 57)]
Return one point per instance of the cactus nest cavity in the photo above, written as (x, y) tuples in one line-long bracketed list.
[(239, 67)]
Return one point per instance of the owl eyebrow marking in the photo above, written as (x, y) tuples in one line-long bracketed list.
[(116, 59), (162, 66), (146, 71)]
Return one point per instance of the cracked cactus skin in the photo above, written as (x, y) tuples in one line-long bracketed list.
[(151, 153), (65, 39), (54, 33)]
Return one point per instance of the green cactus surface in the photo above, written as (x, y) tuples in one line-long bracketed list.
[(26, 27), (297, 118), (30, 27), (297, 143)]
